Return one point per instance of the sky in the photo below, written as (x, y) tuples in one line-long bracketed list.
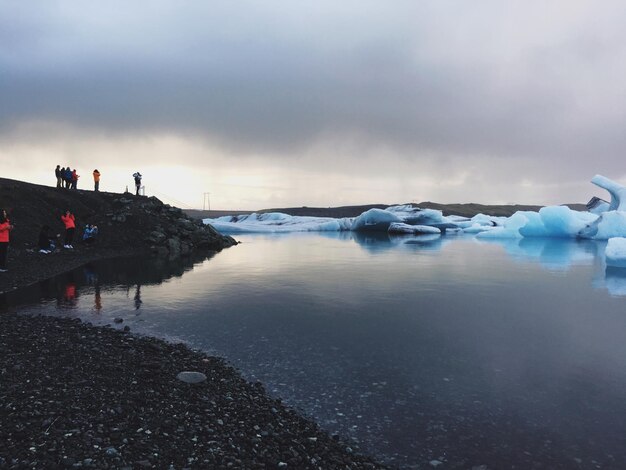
[(269, 104)]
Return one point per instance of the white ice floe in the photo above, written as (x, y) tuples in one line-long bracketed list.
[(550, 221), (275, 222), (615, 252), (401, 228)]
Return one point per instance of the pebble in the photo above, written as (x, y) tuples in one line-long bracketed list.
[(191, 377)]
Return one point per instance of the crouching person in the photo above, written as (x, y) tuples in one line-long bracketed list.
[(90, 234), (47, 242)]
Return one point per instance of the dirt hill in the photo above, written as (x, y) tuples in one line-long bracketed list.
[(127, 225)]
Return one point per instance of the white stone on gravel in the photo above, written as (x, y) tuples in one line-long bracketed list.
[(191, 377)]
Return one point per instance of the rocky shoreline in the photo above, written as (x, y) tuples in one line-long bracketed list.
[(78, 396)]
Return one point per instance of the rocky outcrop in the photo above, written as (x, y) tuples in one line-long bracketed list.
[(168, 230), (128, 225)]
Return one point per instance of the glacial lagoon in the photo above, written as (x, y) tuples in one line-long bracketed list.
[(445, 351)]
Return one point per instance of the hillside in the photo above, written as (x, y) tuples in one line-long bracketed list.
[(128, 225)]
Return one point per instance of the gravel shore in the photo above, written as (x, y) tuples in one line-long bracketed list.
[(74, 395)]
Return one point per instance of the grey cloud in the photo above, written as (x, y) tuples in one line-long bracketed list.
[(268, 81)]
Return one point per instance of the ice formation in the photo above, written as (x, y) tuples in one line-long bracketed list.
[(400, 228), (615, 252), (605, 221)]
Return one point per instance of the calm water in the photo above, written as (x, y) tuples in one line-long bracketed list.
[(505, 354)]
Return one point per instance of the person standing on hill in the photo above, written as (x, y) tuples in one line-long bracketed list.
[(68, 177), (70, 226), (74, 178), (57, 173), (137, 177), (5, 228), (96, 180)]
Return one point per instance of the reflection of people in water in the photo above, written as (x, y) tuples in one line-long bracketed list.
[(138, 300), (70, 291), (97, 299), (69, 298), (91, 278)]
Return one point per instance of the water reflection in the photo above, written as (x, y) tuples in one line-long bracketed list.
[(122, 273), (377, 242)]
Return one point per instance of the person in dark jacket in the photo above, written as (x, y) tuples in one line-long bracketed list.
[(137, 177), (57, 173), (68, 177), (5, 228), (46, 241)]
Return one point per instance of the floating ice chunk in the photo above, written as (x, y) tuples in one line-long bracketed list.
[(551, 221), (375, 220), (275, 222), (615, 252), (608, 225), (561, 221), (477, 228), (510, 229), (616, 190), (401, 228), (534, 226)]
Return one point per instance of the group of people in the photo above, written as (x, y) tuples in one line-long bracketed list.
[(68, 178), (47, 241)]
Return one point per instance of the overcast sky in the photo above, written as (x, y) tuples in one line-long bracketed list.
[(321, 103)]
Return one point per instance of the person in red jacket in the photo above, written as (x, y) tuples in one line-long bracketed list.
[(70, 225), (5, 228), (75, 177)]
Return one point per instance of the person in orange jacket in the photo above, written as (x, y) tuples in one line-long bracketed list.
[(96, 180), (75, 177), (5, 228), (70, 225)]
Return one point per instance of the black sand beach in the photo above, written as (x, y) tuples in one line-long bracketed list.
[(78, 396)]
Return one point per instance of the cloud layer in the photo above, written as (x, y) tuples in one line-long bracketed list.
[(523, 93)]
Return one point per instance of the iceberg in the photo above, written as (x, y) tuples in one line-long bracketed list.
[(400, 228), (616, 190), (276, 222), (601, 222), (615, 252)]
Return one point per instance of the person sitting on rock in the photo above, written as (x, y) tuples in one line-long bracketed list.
[(46, 241), (90, 234)]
